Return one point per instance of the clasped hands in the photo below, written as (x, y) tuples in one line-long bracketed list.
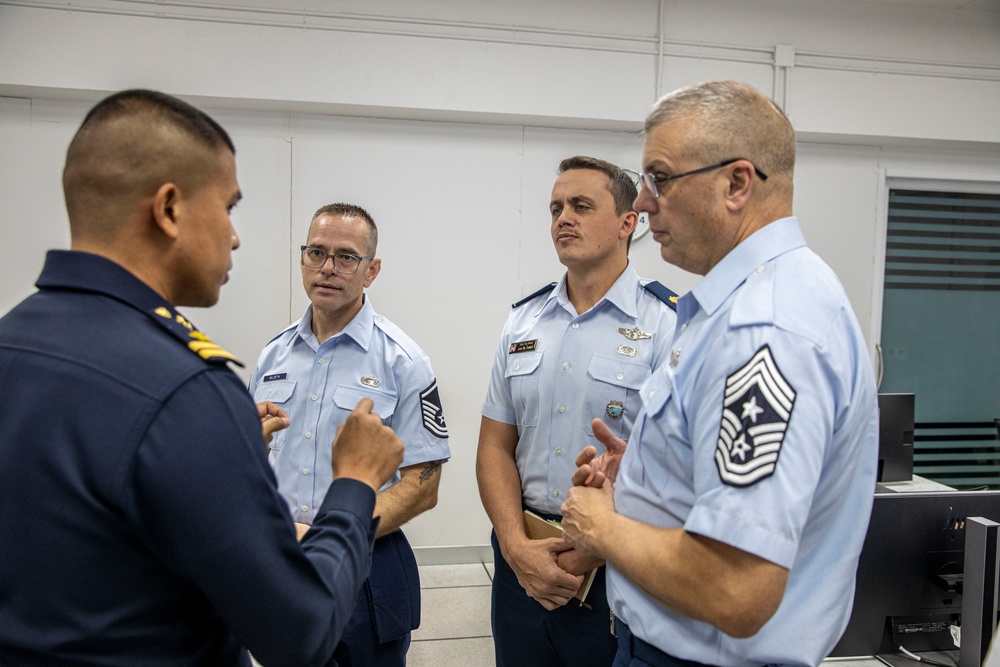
[(551, 570)]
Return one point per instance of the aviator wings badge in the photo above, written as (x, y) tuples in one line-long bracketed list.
[(634, 333)]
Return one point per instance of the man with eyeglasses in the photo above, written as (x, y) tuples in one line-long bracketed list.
[(738, 510), (568, 368), (317, 370)]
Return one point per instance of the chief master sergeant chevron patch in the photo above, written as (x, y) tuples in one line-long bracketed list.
[(756, 408)]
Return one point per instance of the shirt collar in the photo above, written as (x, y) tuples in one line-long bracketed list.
[(359, 329), (621, 294), (87, 272), (764, 245)]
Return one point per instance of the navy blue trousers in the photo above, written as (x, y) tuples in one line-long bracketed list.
[(388, 607), (525, 634)]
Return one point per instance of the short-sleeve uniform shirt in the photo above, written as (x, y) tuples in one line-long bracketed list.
[(319, 385), (760, 432), (556, 370)]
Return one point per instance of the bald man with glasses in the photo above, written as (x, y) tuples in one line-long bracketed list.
[(317, 370)]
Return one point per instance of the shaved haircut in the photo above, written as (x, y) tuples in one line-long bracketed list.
[(128, 145)]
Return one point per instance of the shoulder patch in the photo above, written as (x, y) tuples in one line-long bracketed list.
[(757, 406), (545, 290), (662, 293), (430, 408), (195, 340)]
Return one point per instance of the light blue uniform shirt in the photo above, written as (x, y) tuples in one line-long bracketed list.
[(319, 385), (555, 371), (760, 432)]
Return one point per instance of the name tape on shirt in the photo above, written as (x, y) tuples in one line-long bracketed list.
[(276, 376), (757, 406), (523, 346)]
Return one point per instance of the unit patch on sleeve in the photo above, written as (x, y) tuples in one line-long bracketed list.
[(756, 408), (430, 406)]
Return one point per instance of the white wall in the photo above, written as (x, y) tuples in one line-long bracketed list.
[(447, 123)]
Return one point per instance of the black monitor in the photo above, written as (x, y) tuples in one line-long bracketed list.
[(895, 437), (912, 574)]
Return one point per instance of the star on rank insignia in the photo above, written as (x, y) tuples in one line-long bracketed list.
[(756, 408), (430, 408), (634, 333)]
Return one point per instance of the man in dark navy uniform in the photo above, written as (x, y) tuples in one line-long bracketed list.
[(139, 519)]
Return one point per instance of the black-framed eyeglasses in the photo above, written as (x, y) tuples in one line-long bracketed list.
[(651, 182), (343, 262)]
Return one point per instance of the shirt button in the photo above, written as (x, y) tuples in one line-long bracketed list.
[(684, 327), (321, 362), (760, 269), (305, 471), (309, 434), (378, 318), (556, 493), (621, 376), (558, 451), (270, 394), (562, 408), (305, 509), (565, 365), (517, 367), (314, 397), (575, 325)]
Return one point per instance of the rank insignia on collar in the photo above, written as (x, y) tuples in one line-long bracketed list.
[(757, 406), (370, 381), (626, 350), (634, 333), (615, 409)]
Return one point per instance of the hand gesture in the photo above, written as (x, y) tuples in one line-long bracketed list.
[(272, 420), (593, 469)]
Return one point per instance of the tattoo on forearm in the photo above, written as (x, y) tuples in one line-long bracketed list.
[(429, 470)]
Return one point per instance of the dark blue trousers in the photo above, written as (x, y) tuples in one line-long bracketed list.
[(525, 634), (388, 607)]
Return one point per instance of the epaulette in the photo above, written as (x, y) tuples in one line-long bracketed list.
[(196, 341), (662, 293), (545, 290)]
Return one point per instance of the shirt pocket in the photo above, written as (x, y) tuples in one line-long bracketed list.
[(276, 392), (613, 393), (522, 374), (384, 404)]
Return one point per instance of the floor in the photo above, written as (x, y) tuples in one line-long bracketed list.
[(454, 617)]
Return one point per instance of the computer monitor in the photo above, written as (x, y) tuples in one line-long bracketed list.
[(895, 437), (912, 574)]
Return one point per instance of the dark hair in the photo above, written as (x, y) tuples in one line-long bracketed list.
[(620, 185), (352, 211), (179, 113)]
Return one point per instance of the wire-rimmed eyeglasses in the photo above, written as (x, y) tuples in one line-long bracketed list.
[(343, 262), (652, 182)]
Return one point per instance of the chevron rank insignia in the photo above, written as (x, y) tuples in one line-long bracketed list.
[(433, 415), (756, 409)]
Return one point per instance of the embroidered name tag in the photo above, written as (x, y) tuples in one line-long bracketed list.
[(276, 376), (523, 346)]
